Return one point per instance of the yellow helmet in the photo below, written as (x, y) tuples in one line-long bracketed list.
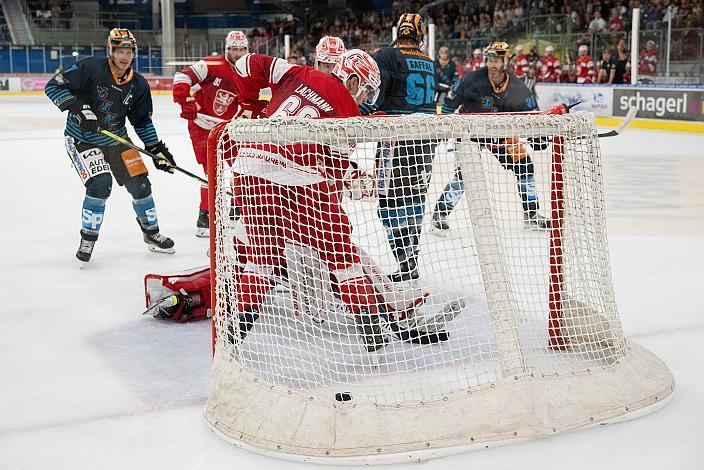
[(411, 26), (496, 49), (122, 37)]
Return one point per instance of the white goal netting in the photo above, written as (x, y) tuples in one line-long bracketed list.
[(453, 290)]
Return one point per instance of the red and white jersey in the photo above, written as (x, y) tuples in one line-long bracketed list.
[(211, 80), (296, 91), (475, 64), (584, 66), (550, 69), (520, 65), (647, 62)]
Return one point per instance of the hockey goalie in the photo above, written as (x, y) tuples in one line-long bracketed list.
[(290, 202)]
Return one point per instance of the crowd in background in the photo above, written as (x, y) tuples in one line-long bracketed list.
[(478, 23), (51, 13)]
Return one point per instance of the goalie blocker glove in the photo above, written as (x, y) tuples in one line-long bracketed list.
[(164, 161), (86, 118)]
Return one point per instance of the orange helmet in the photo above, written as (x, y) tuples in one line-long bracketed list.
[(121, 37), (411, 26)]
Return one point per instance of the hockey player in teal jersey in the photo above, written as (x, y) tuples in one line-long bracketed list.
[(404, 167), (491, 90), (100, 93)]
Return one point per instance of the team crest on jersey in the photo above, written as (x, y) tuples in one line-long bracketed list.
[(102, 92), (223, 100), (487, 102)]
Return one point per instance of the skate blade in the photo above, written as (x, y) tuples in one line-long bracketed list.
[(203, 232), (156, 249)]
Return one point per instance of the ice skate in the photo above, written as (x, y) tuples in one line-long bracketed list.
[(407, 271), (440, 221), (370, 333), (158, 243), (85, 250), (535, 221), (202, 225)]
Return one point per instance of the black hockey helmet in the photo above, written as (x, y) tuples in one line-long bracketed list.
[(411, 26)]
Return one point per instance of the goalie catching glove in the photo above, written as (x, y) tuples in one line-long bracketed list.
[(163, 160), (86, 118), (178, 297)]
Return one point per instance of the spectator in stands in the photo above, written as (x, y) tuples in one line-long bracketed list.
[(44, 14), (606, 68), (597, 25), (616, 23), (568, 74), (620, 62), (532, 57), (648, 61)]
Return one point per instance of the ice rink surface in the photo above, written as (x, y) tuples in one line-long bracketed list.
[(86, 382)]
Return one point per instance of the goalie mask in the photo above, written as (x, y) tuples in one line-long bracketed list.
[(329, 50), (357, 63)]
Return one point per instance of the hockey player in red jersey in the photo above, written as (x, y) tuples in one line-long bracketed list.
[(289, 194), (477, 60), (205, 91), (520, 62), (584, 65), (290, 197), (549, 67), (327, 52)]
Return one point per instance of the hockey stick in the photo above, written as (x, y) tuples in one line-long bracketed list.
[(630, 115), (150, 155)]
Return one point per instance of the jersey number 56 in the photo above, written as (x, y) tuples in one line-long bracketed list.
[(420, 89)]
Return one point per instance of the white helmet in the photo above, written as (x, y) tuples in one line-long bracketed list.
[(357, 63), (549, 49), (519, 48), (329, 49), (236, 39), (477, 52), (583, 48)]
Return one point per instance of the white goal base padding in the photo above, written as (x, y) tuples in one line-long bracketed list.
[(284, 423)]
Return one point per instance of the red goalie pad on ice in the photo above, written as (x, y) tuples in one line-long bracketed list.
[(178, 297)]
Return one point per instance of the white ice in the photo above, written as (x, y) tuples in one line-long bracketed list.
[(86, 382)]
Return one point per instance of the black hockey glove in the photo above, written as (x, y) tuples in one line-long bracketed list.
[(164, 161), (87, 120)]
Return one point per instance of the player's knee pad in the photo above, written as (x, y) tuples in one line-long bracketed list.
[(139, 186), (99, 186)]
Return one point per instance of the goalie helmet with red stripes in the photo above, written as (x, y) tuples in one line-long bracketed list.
[(329, 50), (359, 64)]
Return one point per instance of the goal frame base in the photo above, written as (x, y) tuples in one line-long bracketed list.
[(517, 408)]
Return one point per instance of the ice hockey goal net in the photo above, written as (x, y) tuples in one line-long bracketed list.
[(534, 345)]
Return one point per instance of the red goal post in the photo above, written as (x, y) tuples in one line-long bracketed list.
[(538, 324)]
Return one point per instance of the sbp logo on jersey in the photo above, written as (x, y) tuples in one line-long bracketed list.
[(92, 220), (223, 100)]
